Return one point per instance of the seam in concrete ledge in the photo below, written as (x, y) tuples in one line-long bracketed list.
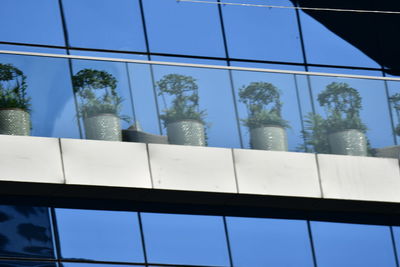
[(234, 171), (62, 161), (149, 164), (319, 176)]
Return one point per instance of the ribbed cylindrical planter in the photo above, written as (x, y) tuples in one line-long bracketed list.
[(14, 121), (186, 132), (348, 142), (103, 127), (269, 138)]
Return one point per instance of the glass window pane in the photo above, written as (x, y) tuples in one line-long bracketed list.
[(105, 24), (99, 235), (100, 79), (49, 93), (70, 264), (374, 111), (27, 263), (187, 28), (268, 242), (26, 21), (349, 245), (254, 89), (185, 239), (207, 92), (323, 46), (262, 33), (25, 232)]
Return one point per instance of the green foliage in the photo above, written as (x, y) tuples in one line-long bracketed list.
[(342, 105), (263, 105), (315, 134), (13, 88), (395, 100), (185, 105), (97, 93)]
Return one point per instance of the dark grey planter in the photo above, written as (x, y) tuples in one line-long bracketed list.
[(103, 127), (348, 142), (14, 121), (269, 137), (143, 137), (186, 132)]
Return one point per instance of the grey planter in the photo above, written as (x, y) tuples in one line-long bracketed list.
[(348, 142), (14, 121), (103, 127), (269, 137), (186, 132)]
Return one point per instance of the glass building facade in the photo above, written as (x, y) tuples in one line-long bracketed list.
[(212, 33)]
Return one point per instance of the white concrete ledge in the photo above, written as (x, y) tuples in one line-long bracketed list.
[(30, 159), (359, 178), (88, 162), (196, 169), (277, 173)]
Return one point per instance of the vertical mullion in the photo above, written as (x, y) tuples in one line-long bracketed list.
[(70, 67), (146, 38), (142, 238), (55, 233), (394, 246), (228, 242), (221, 19), (310, 236)]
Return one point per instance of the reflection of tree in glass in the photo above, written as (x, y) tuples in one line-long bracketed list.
[(26, 211), (3, 239), (33, 232)]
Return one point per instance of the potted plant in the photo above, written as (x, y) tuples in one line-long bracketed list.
[(99, 104), (342, 129), (395, 100), (184, 120), (266, 126), (14, 102)]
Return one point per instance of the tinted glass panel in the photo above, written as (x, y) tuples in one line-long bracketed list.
[(262, 33), (26, 263), (185, 239), (99, 235), (268, 242), (209, 92), (107, 24), (183, 28), (27, 21), (249, 87), (374, 112), (349, 245), (324, 46), (25, 232), (104, 77), (94, 265), (49, 94)]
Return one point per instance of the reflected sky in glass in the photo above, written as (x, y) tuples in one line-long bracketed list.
[(99, 235), (27, 21), (269, 242), (27, 263), (215, 97), (349, 245), (286, 84), (106, 24), (185, 239), (49, 86), (375, 108), (326, 47), (183, 28), (262, 33)]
